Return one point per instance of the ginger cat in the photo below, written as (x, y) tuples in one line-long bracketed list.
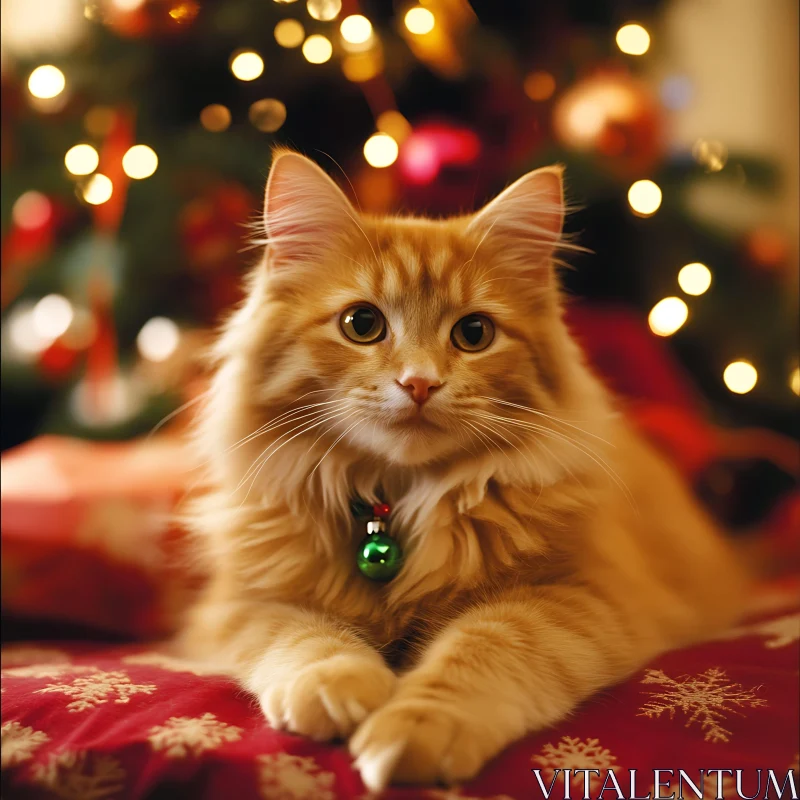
[(548, 550)]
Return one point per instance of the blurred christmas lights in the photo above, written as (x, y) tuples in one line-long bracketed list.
[(324, 10), (360, 67), (317, 49), (539, 85), (98, 189), (356, 29), (395, 124), (247, 65), (633, 39), (380, 150), (644, 198), (794, 381), (82, 159), (215, 118), (667, 316), (694, 278), (158, 339), (289, 33), (127, 5), (419, 20), (740, 377), (267, 115), (46, 82), (139, 162), (32, 210), (52, 316)]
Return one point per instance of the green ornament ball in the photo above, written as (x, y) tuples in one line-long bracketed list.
[(379, 557)]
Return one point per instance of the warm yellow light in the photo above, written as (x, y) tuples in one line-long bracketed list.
[(667, 316), (215, 118), (81, 159), (98, 189), (644, 198), (46, 82), (324, 10), (633, 39), (539, 85), (267, 115), (380, 150), (740, 377), (247, 65), (794, 380), (694, 278), (361, 67), (317, 49), (140, 162), (395, 124), (419, 20), (356, 29), (289, 33), (711, 153)]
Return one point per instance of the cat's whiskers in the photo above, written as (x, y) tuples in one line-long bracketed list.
[(177, 411), (338, 439)]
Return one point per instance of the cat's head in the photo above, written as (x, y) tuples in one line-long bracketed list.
[(409, 339)]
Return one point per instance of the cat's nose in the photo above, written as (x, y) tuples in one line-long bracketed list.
[(420, 389)]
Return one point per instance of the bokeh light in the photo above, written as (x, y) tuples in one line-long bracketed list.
[(419, 20), (46, 82), (267, 115), (324, 10), (247, 65), (644, 198), (381, 150), (52, 316), (356, 29), (32, 210), (361, 67), (140, 162), (694, 278), (395, 124), (794, 381), (158, 339), (711, 153), (667, 316), (215, 118), (81, 159), (633, 39), (317, 49), (539, 85), (98, 189), (289, 33), (740, 377)]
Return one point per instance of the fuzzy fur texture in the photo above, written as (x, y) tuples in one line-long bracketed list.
[(549, 551)]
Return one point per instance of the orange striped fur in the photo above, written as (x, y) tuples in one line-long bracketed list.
[(549, 551)]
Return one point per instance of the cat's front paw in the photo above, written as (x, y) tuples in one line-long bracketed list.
[(328, 698), (418, 740)]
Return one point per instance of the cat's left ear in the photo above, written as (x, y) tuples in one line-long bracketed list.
[(527, 217)]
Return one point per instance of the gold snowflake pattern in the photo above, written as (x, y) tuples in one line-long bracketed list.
[(179, 737), (45, 670), (282, 776), (574, 753), (706, 698), (163, 661), (18, 743), (98, 688), (78, 775)]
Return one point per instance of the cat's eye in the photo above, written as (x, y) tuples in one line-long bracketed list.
[(473, 333), (363, 324)]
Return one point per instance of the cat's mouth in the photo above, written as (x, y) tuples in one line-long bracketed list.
[(415, 420)]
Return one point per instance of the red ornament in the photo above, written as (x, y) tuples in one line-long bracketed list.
[(381, 510), (614, 116)]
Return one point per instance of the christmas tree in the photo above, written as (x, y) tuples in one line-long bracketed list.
[(136, 141)]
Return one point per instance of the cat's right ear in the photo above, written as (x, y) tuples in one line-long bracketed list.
[(304, 210)]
